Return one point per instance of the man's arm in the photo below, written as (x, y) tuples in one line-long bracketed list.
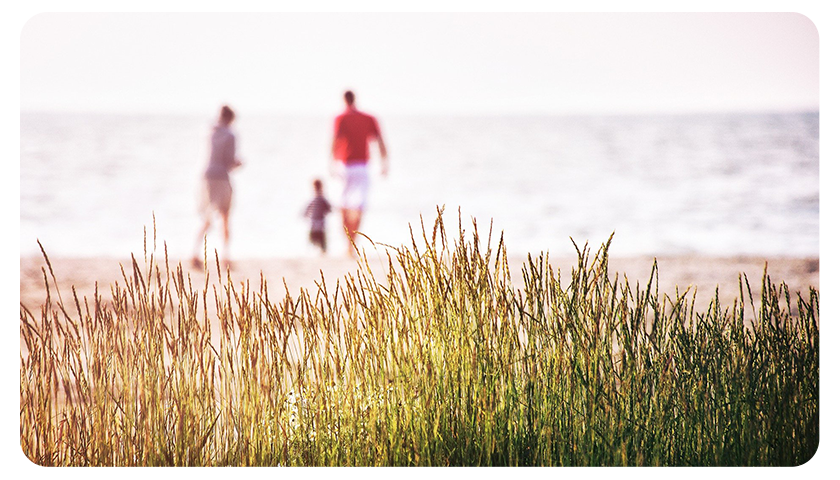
[(333, 160), (383, 154), (334, 149)]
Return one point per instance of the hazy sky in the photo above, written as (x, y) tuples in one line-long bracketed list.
[(420, 62)]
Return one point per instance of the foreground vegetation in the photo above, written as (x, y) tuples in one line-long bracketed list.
[(440, 362)]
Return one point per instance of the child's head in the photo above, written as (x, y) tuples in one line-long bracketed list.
[(318, 186)]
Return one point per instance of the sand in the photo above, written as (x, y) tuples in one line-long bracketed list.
[(704, 273)]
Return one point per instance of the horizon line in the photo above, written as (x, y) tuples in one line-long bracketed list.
[(429, 113)]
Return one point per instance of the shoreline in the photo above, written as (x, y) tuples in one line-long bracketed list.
[(703, 273)]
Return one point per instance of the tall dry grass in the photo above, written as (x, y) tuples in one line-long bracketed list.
[(440, 361)]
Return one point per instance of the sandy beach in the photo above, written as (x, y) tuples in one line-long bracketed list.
[(704, 273)]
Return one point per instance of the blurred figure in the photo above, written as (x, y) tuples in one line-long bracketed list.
[(353, 131), (217, 191), (317, 210)]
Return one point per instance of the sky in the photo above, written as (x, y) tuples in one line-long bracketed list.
[(427, 63)]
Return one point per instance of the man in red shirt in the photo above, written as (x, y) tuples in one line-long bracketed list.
[(353, 131)]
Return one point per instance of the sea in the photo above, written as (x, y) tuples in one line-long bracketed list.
[(725, 184)]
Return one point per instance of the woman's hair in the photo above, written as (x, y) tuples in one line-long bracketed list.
[(226, 114)]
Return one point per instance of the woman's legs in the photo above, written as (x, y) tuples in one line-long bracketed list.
[(199, 242)]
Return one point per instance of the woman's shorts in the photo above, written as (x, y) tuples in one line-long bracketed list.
[(216, 196), (356, 184)]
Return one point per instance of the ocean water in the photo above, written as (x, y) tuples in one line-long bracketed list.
[(717, 184)]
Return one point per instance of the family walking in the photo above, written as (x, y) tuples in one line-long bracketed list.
[(353, 131)]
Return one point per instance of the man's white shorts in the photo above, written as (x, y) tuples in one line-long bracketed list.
[(356, 184)]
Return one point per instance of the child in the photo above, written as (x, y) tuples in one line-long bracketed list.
[(317, 209)]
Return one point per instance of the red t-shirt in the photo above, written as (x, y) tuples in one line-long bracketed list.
[(353, 131)]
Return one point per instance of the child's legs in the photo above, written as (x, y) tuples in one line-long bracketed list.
[(319, 239)]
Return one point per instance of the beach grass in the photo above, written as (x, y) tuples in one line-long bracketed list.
[(437, 361)]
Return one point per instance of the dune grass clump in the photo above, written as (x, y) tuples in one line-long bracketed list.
[(437, 361)]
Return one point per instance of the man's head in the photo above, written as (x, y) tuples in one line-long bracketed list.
[(349, 98), (319, 187), (226, 116)]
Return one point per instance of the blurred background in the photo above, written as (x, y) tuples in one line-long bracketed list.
[(683, 133)]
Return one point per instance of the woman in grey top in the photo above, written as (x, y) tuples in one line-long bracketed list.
[(217, 191)]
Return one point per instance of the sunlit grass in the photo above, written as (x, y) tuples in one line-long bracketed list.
[(437, 361)]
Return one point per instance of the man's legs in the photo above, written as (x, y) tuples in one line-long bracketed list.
[(352, 219), (353, 202)]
